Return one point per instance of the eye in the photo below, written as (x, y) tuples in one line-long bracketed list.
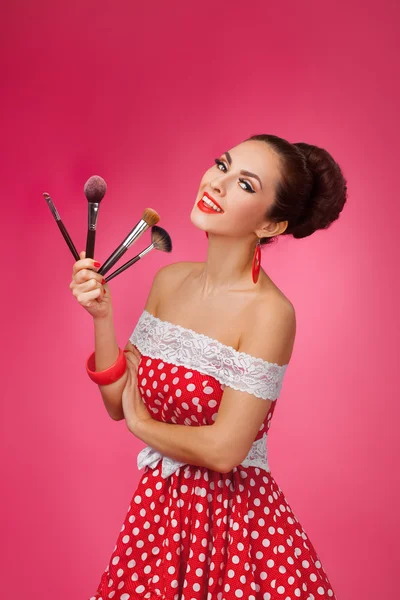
[(220, 163), (249, 188)]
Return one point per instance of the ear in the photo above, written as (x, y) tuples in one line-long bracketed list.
[(272, 229)]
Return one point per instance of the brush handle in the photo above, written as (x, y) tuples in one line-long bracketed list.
[(111, 260), (90, 241), (123, 267), (67, 238)]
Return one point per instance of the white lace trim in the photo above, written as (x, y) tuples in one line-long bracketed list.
[(184, 347), (257, 457)]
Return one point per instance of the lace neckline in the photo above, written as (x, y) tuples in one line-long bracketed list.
[(202, 336)]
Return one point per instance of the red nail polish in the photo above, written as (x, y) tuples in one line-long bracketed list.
[(96, 264), (103, 281)]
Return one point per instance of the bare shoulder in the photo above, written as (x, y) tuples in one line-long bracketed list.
[(270, 328), (175, 272), (165, 281), (274, 307)]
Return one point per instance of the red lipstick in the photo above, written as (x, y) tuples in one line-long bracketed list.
[(205, 208)]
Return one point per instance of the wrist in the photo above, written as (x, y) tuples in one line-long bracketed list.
[(109, 318), (109, 375)]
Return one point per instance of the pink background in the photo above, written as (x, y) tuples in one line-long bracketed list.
[(146, 95)]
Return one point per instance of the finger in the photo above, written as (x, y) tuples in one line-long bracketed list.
[(136, 352), (86, 286), (86, 275), (131, 359), (88, 298), (85, 263)]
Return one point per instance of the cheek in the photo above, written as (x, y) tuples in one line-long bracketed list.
[(242, 210)]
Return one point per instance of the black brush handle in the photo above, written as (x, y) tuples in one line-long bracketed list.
[(67, 238), (111, 260), (90, 241), (122, 268)]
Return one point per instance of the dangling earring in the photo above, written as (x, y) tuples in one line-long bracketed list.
[(206, 232), (255, 270)]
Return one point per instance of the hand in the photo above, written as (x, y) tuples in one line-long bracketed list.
[(88, 288), (133, 406)]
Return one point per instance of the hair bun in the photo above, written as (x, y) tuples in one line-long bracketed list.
[(328, 191)]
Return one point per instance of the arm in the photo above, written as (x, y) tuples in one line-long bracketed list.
[(106, 352), (225, 444), (195, 445), (241, 414)]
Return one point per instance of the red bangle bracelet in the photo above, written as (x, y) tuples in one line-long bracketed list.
[(109, 375)]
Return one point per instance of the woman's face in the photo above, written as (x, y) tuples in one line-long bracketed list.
[(244, 197)]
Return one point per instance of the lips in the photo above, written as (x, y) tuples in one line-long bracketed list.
[(213, 200)]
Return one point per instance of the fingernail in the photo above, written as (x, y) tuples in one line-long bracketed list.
[(103, 281), (96, 264)]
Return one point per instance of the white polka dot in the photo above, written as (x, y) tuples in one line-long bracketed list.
[(208, 390)]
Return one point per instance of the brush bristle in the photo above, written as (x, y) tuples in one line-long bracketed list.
[(150, 216), (95, 188), (161, 239)]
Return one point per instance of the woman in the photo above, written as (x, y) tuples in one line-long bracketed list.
[(198, 383)]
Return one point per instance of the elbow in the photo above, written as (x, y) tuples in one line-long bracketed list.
[(225, 461), (116, 416)]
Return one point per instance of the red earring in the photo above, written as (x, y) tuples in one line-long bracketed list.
[(206, 232), (255, 269)]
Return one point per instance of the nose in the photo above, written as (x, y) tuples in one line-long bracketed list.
[(218, 186)]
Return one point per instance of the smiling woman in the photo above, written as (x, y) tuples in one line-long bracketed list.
[(210, 351)]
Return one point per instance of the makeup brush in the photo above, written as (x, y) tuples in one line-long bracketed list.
[(160, 240), (149, 218), (61, 226), (94, 190)]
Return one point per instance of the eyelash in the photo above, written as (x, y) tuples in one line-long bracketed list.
[(249, 189)]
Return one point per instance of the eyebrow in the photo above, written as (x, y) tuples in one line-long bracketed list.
[(228, 156)]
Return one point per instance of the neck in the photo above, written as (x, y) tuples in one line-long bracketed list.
[(228, 267)]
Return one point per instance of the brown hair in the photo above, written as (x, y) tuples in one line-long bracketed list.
[(312, 190)]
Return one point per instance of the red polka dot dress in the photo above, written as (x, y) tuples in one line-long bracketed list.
[(192, 533)]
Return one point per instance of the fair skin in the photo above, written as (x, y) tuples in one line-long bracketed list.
[(218, 298)]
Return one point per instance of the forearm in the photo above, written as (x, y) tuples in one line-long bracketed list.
[(106, 353), (195, 445)]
